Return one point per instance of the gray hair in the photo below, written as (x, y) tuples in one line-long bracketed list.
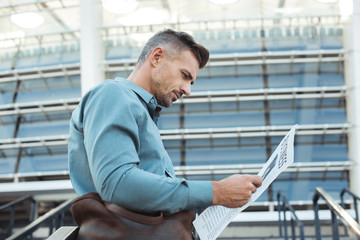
[(174, 42)]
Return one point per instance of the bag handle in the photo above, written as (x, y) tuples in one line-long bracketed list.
[(137, 217)]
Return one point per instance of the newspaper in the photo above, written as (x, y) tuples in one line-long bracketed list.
[(213, 220)]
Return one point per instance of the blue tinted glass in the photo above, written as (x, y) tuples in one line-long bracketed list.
[(7, 131), (51, 94), (228, 83), (305, 189), (7, 165), (219, 156), (308, 116), (224, 120), (43, 163), (307, 80), (33, 129)]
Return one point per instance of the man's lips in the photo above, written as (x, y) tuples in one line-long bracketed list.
[(177, 95)]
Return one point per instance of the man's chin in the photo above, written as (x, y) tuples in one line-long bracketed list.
[(166, 102), (166, 105)]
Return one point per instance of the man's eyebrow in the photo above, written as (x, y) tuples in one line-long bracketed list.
[(188, 75)]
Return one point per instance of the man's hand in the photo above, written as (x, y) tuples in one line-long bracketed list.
[(236, 190)]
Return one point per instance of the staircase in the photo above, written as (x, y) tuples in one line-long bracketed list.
[(19, 220)]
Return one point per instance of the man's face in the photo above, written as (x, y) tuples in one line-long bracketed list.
[(172, 77)]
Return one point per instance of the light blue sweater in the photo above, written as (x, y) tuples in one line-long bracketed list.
[(115, 149)]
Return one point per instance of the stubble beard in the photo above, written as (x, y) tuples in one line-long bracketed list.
[(163, 99)]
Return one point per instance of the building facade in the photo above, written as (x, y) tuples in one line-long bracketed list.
[(265, 74)]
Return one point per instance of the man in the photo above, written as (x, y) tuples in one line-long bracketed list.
[(115, 148)]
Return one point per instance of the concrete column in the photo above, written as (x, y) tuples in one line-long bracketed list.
[(91, 45), (352, 78)]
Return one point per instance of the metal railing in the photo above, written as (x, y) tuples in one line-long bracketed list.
[(271, 94), (336, 212), (45, 107), (216, 60), (191, 134), (12, 206), (355, 199), (54, 218), (209, 172), (285, 207)]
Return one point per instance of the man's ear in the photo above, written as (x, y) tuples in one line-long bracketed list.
[(156, 55)]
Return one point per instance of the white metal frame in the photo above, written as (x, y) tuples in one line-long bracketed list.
[(187, 134)]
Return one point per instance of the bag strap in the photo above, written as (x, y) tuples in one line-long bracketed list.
[(137, 217)]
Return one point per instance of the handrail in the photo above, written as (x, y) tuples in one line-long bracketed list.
[(13, 205), (51, 216), (336, 211), (284, 207), (355, 198), (355, 201)]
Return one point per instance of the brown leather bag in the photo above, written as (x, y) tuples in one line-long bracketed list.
[(99, 219)]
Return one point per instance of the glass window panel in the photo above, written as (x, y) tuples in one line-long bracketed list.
[(43, 163), (7, 87), (6, 97), (224, 120), (249, 106), (175, 156), (217, 156), (7, 165), (284, 81), (172, 144), (174, 109), (333, 102), (308, 116), (331, 67), (304, 189), (44, 128), (7, 131), (50, 94), (70, 80), (215, 143), (9, 153), (321, 139), (304, 80), (228, 83), (169, 122), (45, 150), (200, 143), (197, 107), (332, 79), (33, 84)]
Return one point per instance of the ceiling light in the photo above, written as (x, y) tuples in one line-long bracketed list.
[(288, 11), (27, 19), (223, 2), (327, 1), (346, 7), (144, 16), (119, 6)]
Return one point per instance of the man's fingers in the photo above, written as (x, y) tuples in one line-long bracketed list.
[(257, 181)]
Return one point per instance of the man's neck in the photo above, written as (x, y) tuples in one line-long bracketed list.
[(141, 77)]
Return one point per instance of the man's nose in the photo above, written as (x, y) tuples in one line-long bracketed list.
[(186, 88)]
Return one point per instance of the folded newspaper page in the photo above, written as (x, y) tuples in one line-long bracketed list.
[(213, 220)]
